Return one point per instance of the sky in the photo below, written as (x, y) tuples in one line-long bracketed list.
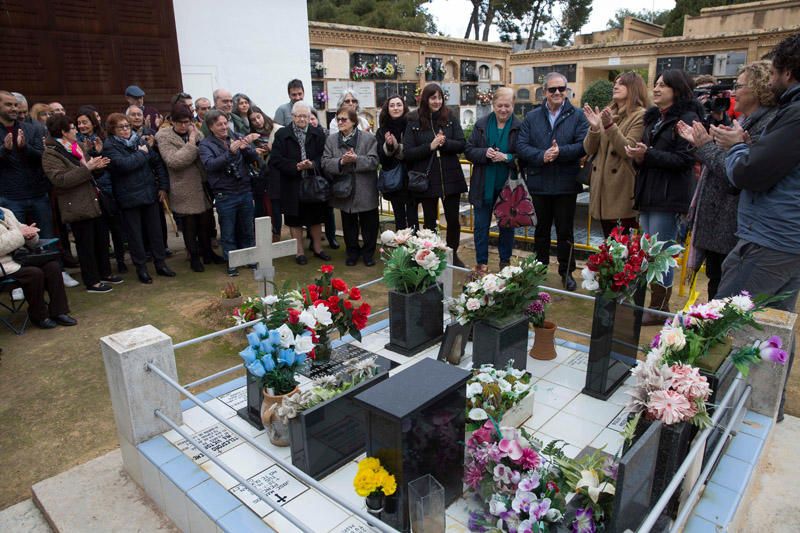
[(452, 15)]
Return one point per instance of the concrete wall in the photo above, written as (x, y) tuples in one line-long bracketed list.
[(754, 15), (249, 46)]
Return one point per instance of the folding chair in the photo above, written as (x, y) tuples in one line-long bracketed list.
[(15, 307)]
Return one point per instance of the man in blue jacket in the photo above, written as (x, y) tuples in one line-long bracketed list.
[(551, 144), (766, 259)]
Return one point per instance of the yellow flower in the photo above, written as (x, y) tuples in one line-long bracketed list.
[(388, 484), (369, 463), (365, 482)]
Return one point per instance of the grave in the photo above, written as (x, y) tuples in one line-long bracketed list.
[(262, 255)]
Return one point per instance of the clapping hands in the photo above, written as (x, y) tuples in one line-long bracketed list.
[(551, 154)]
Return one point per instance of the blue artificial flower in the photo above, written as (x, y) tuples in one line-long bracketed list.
[(261, 329), (268, 362), (256, 368), (267, 347), (286, 357), (274, 337), (253, 339), (248, 354), (300, 359)]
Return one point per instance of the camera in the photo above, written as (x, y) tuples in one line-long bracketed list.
[(232, 171), (719, 98)]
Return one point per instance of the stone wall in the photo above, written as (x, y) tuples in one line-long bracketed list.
[(768, 14)]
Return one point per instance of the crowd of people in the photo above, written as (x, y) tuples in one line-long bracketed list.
[(656, 160)]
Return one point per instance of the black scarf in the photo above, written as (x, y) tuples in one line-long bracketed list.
[(396, 126)]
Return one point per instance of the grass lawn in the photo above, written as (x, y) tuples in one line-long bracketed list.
[(55, 410)]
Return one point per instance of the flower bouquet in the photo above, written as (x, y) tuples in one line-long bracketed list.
[(414, 259), (625, 262), (492, 393), (496, 296), (320, 99), (592, 480), (359, 72), (517, 482), (420, 69), (544, 331), (484, 97), (275, 355), (535, 311), (374, 483)]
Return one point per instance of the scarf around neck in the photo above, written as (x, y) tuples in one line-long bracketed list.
[(130, 142)]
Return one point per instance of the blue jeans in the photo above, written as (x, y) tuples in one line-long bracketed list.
[(39, 210), (480, 232), (666, 226), (235, 212)]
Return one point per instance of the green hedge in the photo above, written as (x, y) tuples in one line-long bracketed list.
[(598, 94)]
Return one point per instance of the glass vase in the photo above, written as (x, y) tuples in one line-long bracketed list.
[(323, 350), (426, 505)]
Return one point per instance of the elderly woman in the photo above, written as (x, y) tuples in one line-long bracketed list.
[(610, 131), (34, 280), (70, 171), (297, 155), (714, 207), (351, 160), (348, 100), (137, 187), (187, 198), (266, 186), (491, 148), (393, 120)]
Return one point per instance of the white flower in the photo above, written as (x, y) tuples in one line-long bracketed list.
[(303, 344), (287, 337), (486, 378), (520, 387), (427, 259), (741, 303), (500, 373), (497, 506), (673, 337), (270, 299), (516, 373), (504, 385), (477, 414), (322, 314), (473, 304), (427, 234), (307, 319), (473, 389), (387, 237), (590, 480), (553, 515), (589, 281)]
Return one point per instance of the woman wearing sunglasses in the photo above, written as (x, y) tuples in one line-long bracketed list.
[(349, 100)]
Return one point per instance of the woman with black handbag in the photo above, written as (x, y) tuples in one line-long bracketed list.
[(351, 160), (432, 143), (297, 157), (392, 181), (70, 172)]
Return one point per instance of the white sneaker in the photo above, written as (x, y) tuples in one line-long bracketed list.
[(69, 281), (17, 294)]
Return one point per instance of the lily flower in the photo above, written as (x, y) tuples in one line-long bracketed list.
[(594, 488)]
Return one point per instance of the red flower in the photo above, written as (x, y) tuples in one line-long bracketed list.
[(294, 316), (348, 305), (326, 269), (514, 208), (339, 284), (365, 308), (551, 486), (355, 293)]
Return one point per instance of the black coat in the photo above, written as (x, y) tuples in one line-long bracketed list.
[(388, 162), (136, 176), (664, 178), (284, 157), (446, 176), (476, 152)]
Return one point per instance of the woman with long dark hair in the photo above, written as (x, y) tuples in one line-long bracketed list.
[(267, 185), (665, 164), (393, 121), (432, 143)]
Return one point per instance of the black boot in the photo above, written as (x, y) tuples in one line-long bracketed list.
[(197, 264), (143, 274)]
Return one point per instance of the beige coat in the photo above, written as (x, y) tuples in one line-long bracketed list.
[(613, 176), (186, 173), (75, 192), (11, 239)]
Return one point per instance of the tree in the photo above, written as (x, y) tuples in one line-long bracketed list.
[(674, 22), (532, 19), (598, 94), (656, 17), (407, 15), (574, 15)]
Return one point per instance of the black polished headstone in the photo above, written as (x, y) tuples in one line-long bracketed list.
[(332, 433), (615, 341), (416, 320), (415, 426), (494, 343)]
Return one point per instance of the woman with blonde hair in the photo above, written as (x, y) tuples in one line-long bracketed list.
[(40, 113), (613, 177)]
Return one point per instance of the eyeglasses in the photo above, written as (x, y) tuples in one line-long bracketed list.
[(737, 86), (553, 90), (300, 116), (123, 126), (342, 119), (350, 101)]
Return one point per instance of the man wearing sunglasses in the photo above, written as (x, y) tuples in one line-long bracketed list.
[(551, 145)]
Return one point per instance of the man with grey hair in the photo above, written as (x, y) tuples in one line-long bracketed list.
[(551, 145), (202, 106), (223, 102), (56, 108), (22, 107)]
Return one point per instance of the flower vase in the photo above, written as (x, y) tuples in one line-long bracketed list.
[(375, 503), (544, 342), (416, 320), (323, 350), (277, 430)]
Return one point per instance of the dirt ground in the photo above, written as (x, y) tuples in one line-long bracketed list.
[(55, 410)]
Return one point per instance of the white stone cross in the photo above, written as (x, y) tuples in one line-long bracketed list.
[(262, 255)]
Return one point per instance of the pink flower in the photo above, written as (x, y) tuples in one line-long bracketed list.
[(530, 459), (669, 406), (484, 434), (473, 475), (544, 297), (512, 448), (514, 208), (770, 350)]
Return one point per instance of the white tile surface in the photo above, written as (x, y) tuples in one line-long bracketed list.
[(541, 414), (244, 428), (352, 525), (281, 524), (173, 435), (612, 440), (620, 397), (567, 377), (592, 409), (325, 516), (220, 408), (539, 368), (553, 395), (219, 475), (198, 419), (341, 484), (246, 460), (572, 429), (563, 354)]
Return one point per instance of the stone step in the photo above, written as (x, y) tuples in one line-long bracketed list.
[(98, 496), (23, 517)]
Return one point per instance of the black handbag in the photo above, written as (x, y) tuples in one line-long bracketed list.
[(342, 186), (419, 181), (314, 188), (585, 173), (35, 257), (391, 180)]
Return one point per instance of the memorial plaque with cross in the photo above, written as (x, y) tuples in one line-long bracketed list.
[(262, 254)]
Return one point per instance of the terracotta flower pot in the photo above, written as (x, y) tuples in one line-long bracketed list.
[(277, 431), (544, 342)]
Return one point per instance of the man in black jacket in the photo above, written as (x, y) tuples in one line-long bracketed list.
[(23, 186)]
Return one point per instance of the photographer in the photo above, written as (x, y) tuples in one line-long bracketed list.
[(715, 99), (226, 157)]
